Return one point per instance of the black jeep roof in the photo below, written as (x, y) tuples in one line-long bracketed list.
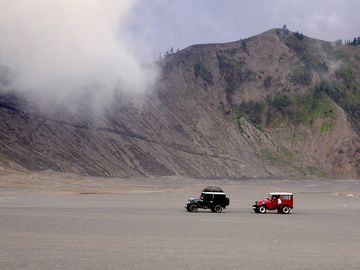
[(212, 189)]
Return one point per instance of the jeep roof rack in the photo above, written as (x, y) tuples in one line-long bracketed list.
[(212, 189), (280, 193)]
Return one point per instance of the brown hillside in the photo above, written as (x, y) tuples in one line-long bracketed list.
[(251, 108)]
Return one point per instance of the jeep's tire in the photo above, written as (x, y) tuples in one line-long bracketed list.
[(285, 210), (217, 208), (192, 208), (262, 209)]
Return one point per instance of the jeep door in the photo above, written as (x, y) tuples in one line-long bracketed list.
[(274, 201), (208, 200)]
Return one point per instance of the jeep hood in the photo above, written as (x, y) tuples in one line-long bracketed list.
[(262, 201), (194, 200)]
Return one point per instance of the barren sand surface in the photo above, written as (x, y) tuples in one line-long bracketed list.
[(65, 222)]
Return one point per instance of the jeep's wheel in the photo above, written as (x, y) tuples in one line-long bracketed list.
[(193, 208), (262, 209), (217, 209), (285, 209)]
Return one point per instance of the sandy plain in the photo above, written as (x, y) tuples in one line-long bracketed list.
[(65, 222)]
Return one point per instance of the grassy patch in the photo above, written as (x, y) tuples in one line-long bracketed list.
[(311, 107), (345, 74), (251, 111), (285, 109), (327, 125), (345, 91)]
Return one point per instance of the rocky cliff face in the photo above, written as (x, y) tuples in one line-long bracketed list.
[(275, 104)]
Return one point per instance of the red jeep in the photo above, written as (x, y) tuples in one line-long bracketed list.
[(280, 201)]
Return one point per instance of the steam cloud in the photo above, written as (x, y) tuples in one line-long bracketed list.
[(60, 52)]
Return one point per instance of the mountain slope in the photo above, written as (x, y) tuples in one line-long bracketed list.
[(275, 104)]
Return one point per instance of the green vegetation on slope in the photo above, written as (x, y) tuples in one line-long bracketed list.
[(340, 86), (301, 75), (345, 91), (308, 50), (235, 73), (200, 70), (283, 109)]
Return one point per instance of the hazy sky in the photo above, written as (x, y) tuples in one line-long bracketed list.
[(180, 23), (63, 51)]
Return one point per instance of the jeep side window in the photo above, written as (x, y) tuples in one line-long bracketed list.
[(219, 197)]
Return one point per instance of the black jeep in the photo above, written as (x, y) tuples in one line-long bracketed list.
[(213, 198)]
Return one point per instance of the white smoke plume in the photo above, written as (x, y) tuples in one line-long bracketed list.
[(63, 51)]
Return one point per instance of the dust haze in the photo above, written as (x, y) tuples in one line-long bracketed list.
[(63, 52)]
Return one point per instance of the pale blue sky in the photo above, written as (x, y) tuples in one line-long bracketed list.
[(179, 23)]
